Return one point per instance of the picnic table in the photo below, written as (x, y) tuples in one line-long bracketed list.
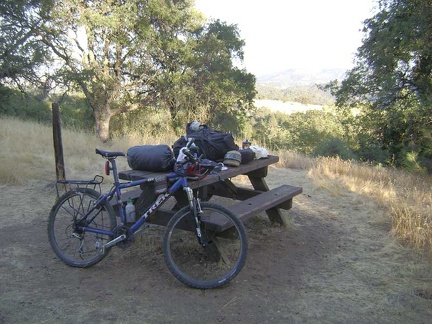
[(249, 202)]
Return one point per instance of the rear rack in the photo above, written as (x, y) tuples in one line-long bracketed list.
[(66, 185)]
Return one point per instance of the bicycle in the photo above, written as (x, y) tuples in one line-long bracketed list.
[(82, 226)]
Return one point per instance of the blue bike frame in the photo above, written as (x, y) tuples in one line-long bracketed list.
[(181, 182)]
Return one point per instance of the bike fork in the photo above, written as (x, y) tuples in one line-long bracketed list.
[(195, 207)]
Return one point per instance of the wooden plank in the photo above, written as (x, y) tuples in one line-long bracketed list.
[(138, 175), (263, 202), (273, 214), (239, 193), (215, 177), (253, 201), (244, 210), (234, 171), (163, 216)]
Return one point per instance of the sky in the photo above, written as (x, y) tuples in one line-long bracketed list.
[(294, 34)]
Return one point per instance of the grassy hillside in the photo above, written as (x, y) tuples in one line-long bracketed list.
[(27, 157), (307, 95)]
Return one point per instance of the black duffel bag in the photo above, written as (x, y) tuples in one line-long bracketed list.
[(213, 144), (156, 158)]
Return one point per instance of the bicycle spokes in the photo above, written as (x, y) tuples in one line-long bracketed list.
[(217, 259), (77, 231)]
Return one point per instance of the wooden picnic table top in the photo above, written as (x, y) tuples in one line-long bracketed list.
[(212, 178), (252, 201)]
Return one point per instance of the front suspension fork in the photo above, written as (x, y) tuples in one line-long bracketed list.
[(195, 208)]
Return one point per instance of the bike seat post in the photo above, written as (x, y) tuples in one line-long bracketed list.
[(114, 169)]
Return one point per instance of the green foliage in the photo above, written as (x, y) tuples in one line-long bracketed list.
[(144, 123), (394, 63), (21, 54), (137, 54), (392, 80), (5, 100), (27, 107), (333, 147), (154, 65), (209, 86), (374, 154), (76, 113), (300, 132), (411, 162), (324, 133)]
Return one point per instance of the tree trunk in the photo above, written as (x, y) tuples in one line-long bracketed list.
[(102, 118)]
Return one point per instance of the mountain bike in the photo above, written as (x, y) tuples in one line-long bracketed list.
[(204, 244)]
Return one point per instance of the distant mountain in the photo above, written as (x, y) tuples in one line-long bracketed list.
[(300, 77)]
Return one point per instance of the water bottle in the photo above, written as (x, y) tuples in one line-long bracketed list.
[(246, 144), (130, 211)]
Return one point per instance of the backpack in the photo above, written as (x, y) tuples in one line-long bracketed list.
[(213, 144)]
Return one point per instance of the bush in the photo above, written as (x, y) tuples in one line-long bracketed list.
[(373, 153), (26, 107), (76, 113), (333, 147)]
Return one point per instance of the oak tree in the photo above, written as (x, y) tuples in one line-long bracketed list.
[(133, 54), (392, 80)]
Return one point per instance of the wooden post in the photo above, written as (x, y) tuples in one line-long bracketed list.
[(58, 146)]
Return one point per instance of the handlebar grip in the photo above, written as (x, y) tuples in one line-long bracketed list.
[(189, 142), (188, 153)]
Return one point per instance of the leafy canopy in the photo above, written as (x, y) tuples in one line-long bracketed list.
[(133, 54), (392, 80)]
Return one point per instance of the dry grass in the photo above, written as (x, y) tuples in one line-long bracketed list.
[(407, 197), (26, 151), (27, 155), (289, 159)]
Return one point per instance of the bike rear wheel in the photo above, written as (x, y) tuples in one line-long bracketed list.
[(76, 247), (223, 255)]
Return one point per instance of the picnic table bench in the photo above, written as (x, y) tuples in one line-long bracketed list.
[(249, 202)]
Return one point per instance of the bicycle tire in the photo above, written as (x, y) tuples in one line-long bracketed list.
[(79, 249), (220, 261)]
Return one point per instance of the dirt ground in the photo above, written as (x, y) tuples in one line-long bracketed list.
[(335, 262)]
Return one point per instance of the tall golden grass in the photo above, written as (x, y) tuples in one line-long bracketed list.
[(27, 151), (406, 196), (27, 155)]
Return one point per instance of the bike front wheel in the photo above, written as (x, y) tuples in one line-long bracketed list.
[(74, 246), (220, 259)]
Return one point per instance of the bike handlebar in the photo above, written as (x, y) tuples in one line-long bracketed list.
[(186, 151)]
